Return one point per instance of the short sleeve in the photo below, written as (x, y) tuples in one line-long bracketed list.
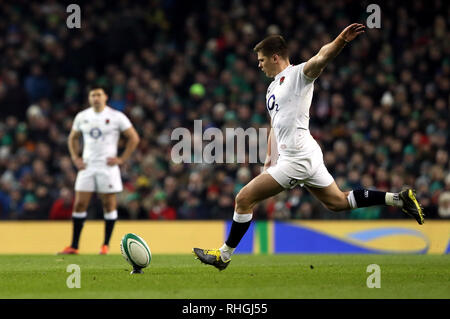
[(124, 122), (302, 80), (76, 123)]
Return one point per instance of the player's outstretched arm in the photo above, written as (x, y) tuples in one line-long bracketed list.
[(314, 67)]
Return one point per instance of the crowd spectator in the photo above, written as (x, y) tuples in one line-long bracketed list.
[(161, 210), (380, 110), (444, 200), (62, 206)]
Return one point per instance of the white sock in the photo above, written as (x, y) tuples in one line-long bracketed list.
[(79, 214), (226, 252), (242, 218), (110, 215), (351, 200), (392, 199)]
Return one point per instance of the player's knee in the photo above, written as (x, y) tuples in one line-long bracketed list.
[(108, 207), (79, 206), (243, 200)]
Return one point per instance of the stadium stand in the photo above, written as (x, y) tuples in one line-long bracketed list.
[(380, 111)]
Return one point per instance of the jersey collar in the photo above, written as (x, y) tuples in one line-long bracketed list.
[(102, 112), (279, 75)]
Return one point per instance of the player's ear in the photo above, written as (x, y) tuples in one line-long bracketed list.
[(275, 58)]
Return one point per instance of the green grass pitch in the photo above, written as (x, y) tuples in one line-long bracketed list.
[(248, 276)]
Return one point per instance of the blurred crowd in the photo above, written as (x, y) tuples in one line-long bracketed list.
[(380, 110)]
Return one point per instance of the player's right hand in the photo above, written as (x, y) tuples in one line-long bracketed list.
[(79, 163), (352, 31)]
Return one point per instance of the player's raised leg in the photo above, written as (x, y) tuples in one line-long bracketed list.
[(79, 216), (261, 187), (109, 202), (336, 200)]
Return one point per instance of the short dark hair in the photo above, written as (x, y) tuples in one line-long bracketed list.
[(273, 44), (97, 87)]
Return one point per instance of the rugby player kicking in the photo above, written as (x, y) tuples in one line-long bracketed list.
[(300, 160)]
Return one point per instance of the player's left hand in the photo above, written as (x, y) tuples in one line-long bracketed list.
[(111, 161), (352, 31)]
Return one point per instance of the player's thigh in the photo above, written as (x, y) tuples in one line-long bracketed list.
[(331, 196), (261, 187)]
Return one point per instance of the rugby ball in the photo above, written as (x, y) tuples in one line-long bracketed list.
[(135, 251)]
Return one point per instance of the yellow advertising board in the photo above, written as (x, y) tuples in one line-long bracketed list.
[(263, 237), (163, 237)]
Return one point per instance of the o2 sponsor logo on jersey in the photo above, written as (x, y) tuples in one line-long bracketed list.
[(271, 103), (95, 133)]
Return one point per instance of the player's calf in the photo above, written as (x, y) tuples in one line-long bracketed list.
[(338, 204), (331, 197)]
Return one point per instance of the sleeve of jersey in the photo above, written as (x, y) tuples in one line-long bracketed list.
[(302, 79), (76, 123), (124, 123)]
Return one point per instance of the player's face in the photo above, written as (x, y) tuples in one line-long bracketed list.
[(266, 64), (97, 98)]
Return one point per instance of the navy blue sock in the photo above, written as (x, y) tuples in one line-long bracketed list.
[(366, 198), (77, 227), (109, 226), (237, 231)]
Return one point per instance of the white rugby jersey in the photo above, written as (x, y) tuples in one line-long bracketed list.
[(288, 100), (101, 132)]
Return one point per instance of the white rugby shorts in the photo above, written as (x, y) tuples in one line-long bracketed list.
[(99, 179), (310, 170)]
